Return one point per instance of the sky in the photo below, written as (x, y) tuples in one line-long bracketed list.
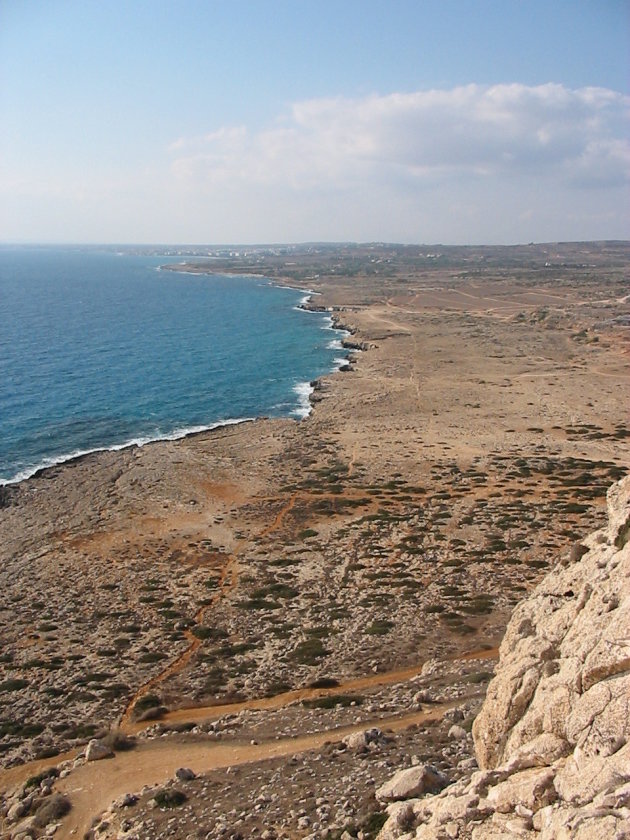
[(267, 121)]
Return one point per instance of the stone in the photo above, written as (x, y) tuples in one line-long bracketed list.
[(456, 732), (532, 788), (360, 740), (185, 774), (412, 782), (97, 750), (355, 741), (19, 809)]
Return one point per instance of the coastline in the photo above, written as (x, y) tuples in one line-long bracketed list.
[(432, 485), (51, 463), (303, 391)]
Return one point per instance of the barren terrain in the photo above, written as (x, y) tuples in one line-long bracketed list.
[(281, 579)]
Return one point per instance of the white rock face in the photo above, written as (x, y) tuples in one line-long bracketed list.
[(553, 736), (96, 750)]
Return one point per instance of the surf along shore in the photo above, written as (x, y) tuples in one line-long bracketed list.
[(463, 452)]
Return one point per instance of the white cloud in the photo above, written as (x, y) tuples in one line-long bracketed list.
[(501, 164), (576, 136)]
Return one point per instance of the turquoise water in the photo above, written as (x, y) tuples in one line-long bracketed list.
[(99, 350)]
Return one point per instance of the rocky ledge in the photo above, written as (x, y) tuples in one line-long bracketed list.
[(552, 738)]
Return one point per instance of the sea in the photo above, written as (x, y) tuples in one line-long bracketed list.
[(102, 349)]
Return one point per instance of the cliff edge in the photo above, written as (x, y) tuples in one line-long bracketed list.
[(552, 739)]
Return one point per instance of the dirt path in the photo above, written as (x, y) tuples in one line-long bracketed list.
[(353, 460), (17, 775), (227, 581), (200, 714), (92, 787), (277, 522)]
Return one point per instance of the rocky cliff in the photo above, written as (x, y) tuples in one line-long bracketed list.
[(552, 740)]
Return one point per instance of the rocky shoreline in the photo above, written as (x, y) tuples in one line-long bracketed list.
[(435, 483)]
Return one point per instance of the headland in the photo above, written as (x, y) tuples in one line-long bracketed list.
[(243, 586)]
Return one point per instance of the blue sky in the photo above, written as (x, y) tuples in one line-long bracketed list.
[(274, 121)]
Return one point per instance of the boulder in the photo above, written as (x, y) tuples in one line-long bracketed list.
[(458, 733), (360, 740), (414, 781), (19, 809), (96, 750), (532, 789)]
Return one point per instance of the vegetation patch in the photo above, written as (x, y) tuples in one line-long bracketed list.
[(380, 627), (170, 798), (309, 651), (201, 631), (35, 781), (324, 682), (52, 809), (14, 684)]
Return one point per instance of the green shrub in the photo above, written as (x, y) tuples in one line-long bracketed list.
[(380, 627), (258, 604), (148, 701), (324, 682), (13, 684), (309, 651), (170, 798), (201, 631), (35, 781), (306, 533)]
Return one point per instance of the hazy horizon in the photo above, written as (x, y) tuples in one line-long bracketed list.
[(273, 122)]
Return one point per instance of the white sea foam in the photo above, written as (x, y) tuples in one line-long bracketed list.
[(311, 292), (335, 344), (303, 391), (176, 434), (303, 303)]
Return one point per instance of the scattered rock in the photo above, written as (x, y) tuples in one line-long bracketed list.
[(456, 732), (360, 740), (553, 735)]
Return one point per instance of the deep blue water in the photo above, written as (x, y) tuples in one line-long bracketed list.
[(98, 350)]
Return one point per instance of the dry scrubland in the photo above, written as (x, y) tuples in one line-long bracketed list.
[(304, 572)]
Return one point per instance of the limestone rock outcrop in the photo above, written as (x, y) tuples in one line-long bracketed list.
[(553, 737)]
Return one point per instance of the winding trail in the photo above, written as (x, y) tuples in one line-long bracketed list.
[(200, 714), (353, 459), (227, 581), (93, 787), (230, 570), (277, 522)]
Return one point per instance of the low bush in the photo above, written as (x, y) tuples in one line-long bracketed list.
[(170, 798)]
